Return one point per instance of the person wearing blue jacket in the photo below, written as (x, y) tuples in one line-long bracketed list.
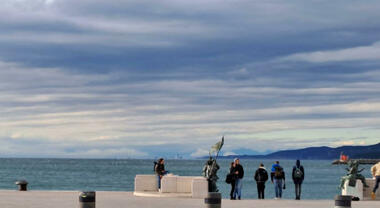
[(278, 179)]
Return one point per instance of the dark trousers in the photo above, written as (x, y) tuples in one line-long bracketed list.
[(376, 184), (298, 190), (260, 189), (232, 189)]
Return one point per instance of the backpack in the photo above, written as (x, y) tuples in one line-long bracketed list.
[(278, 172), (298, 173), (259, 177), (262, 176)]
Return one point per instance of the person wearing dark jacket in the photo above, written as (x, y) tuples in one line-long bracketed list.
[(261, 176), (239, 174), (298, 175), (232, 167), (160, 171), (278, 179)]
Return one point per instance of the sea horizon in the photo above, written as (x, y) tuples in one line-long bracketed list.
[(118, 174)]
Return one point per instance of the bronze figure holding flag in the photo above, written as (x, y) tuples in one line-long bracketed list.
[(211, 167)]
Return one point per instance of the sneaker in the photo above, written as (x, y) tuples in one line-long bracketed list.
[(373, 195), (239, 198)]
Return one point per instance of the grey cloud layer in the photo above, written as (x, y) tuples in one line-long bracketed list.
[(63, 110), (146, 78), (216, 35)]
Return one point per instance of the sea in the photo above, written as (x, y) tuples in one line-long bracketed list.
[(321, 177)]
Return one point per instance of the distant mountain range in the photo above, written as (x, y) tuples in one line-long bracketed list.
[(320, 153)]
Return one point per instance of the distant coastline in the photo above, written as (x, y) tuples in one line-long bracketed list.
[(319, 153)]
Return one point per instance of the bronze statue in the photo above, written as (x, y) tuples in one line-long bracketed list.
[(209, 171), (211, 167), (353, 175)]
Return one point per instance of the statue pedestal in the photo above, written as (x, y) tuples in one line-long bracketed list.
[(356, 191)]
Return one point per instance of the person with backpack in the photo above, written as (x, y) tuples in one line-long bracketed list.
[(278, 179), (298, 175), (159, 169), (261, 176)]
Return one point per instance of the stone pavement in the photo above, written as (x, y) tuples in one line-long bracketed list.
[(69, 199)]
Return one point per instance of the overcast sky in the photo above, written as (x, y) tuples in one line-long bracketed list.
[(148, 78)]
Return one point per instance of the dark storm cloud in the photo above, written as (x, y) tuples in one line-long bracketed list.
[(171, 35)]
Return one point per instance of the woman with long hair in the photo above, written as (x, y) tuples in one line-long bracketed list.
[(232, 167)]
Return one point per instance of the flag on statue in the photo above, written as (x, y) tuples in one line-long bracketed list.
[(216, 147)]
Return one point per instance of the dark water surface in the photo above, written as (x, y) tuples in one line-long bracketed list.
[(321, 178)]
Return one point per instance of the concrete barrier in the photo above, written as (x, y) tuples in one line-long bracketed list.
[(184, 184), (146, 183), (199, 188), (171, 185), (360, 191)]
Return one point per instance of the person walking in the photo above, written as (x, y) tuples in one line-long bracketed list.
[(298, 175), (375, 170), (261, 176), (160, 171), (278, 179), (239, 174), (232, 175)]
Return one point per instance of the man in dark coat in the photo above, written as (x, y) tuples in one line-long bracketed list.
[(239, 174), (261, 176), (160, 171), (298, 175)]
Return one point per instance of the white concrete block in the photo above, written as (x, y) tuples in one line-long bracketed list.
[(184, 184), (199, 188), (169, 184), (146, 183), (353, 191)]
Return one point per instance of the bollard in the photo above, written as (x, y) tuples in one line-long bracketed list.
[(213, 200), (87, 199), (343, 201), (22, 185)]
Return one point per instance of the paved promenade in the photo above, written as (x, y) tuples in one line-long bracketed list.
[(69, 199)]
